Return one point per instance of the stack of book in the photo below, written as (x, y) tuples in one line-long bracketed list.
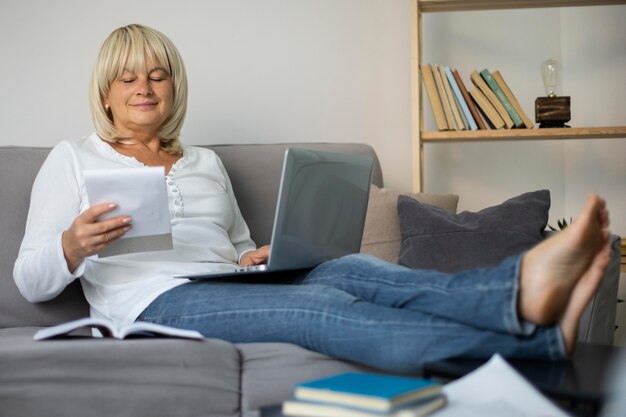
[(365, 395), (489, 104)]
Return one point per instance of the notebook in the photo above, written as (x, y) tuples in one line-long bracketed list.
[(320, 213)]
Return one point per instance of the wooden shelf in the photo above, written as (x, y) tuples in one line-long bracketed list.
[(420, 138), (612, 132), (467, 5)]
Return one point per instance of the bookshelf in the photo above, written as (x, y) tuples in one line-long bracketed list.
[(420, 137)]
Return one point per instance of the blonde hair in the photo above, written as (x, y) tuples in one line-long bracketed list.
[(132, 47)]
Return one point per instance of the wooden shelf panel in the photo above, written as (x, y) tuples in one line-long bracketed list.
[(612, 132), (466, 5)]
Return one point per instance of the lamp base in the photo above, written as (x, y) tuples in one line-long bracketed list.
[(552, 111)]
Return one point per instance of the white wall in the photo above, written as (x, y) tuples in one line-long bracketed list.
[(338, 71), (590, 43), (260, 71)]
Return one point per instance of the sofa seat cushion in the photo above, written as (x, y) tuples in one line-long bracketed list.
[(107, 377), (270, 370)]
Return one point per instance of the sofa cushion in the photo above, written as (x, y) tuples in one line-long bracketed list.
[(433, 238), (18, 168), (254, 171), (108, 377), (381, 235), (270, 370)]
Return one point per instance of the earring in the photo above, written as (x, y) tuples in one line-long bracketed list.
[(106, 107)]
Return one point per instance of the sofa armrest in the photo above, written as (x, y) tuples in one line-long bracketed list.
[(597, 324)]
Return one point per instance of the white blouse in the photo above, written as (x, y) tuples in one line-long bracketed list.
[(208, 230)]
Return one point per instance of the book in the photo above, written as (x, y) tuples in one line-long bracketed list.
[(368, 391), (456, 115), (433, 97), (502, 97), (509, 94), (484, 88), (310, 409), (460, 100), (447, 110), (468, 100), (108, 329), (487, 108)]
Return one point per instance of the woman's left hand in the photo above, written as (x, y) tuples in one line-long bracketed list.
[(256, 257)]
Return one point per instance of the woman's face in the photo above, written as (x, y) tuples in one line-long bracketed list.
[(141, 102)]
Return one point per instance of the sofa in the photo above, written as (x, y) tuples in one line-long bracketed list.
[(82, 376)]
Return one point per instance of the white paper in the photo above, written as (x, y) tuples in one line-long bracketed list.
[(495, 390), (140, 193)]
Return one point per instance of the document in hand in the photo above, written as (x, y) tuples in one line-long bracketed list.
[(139, 193)]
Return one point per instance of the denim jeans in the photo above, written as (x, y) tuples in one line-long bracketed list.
[(361, 309)]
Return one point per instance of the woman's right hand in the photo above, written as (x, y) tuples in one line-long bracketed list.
[(87, 236)]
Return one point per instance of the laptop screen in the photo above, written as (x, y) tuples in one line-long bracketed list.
[(321, 208)]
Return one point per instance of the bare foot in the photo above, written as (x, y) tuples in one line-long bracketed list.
[(551, 270)]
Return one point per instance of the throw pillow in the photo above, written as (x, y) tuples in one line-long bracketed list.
[(381, 234), (433, 238)]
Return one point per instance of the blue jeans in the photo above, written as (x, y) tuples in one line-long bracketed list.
[(361, 309)]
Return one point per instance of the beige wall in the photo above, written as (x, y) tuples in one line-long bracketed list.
[(333, 70)]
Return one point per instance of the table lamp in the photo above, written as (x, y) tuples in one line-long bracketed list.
[(552, 110)]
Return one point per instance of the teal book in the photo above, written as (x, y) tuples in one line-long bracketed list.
[(493, 85), (460, 99), (367, 391)]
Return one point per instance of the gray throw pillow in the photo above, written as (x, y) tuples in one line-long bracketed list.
[(433, 238)]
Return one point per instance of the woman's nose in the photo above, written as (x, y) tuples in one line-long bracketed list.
[(144, 88)]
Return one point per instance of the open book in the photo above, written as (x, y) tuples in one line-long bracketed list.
[(108, 329)]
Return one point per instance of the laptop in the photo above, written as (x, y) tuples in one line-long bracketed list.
[(320, 213)]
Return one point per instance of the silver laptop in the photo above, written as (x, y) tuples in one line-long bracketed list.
[(320, 212)]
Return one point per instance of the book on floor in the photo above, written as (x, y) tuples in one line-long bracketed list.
[(433, 97), (509, 94), (495, 102), (420, 408), (367, 391), (108, 329), (493, 85)]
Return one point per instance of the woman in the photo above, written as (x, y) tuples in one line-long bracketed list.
[(528, 306)]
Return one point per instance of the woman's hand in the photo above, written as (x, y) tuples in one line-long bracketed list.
[(87, 236), (255, 257)]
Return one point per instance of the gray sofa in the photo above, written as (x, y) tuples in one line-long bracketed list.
[(172, 377)]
